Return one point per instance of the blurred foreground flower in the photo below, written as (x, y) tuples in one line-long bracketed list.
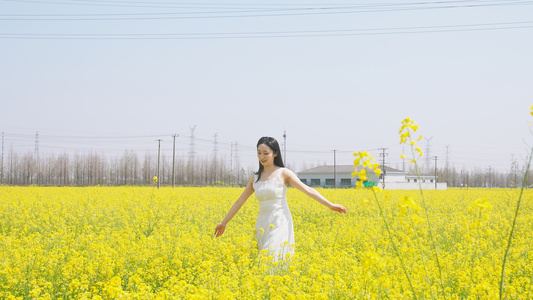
[(364, 160)]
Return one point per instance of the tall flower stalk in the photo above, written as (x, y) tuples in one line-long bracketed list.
[(367, 162), (406, 203), (408, 128), (514, 219)]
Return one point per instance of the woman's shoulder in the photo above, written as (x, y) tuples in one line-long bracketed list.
[(285, 171), (286, 175)]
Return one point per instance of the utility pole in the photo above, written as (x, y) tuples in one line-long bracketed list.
[(383, 154), (158, 161), (174, 158), (435, 157), (335, 167)]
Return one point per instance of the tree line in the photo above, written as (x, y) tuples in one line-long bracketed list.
[(91, 169), (484, 177)]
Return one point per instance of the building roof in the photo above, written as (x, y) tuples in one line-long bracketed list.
[(414, 175), (341, 169)]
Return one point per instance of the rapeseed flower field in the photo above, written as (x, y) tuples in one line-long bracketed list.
[(147, 243)]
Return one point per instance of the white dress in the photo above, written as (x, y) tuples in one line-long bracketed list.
[(274, 229)]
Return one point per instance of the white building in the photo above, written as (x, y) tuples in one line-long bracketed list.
[(324, 176)]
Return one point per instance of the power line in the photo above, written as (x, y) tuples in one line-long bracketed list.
[(272, 12), (156, 4), (24, 144), (146, 4), (272, 34), (84, 138)]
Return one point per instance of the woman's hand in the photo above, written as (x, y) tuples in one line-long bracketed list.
[(338, 208), (220, 230)]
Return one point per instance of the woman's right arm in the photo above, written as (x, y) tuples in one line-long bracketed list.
[(248, 191)]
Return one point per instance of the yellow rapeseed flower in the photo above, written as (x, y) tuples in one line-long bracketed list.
[(407, 202), (367, 162), (481, 203), (417, 149), (362, 175), (89, 243)]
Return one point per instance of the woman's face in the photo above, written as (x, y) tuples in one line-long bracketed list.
[(265, 155)]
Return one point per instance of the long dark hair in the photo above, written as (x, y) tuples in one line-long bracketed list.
[(271, 143)]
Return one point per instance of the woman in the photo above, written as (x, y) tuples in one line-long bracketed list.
[(274, 229)]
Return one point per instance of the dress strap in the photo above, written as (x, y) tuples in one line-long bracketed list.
[(280, 171)]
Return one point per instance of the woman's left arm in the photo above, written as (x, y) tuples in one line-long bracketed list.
[(292, 179)]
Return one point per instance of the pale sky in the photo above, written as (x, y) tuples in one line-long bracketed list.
[(110, 76)]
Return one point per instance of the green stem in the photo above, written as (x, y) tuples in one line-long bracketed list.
[(394, 244), (429, 223), (419, 245), (514, 223)]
